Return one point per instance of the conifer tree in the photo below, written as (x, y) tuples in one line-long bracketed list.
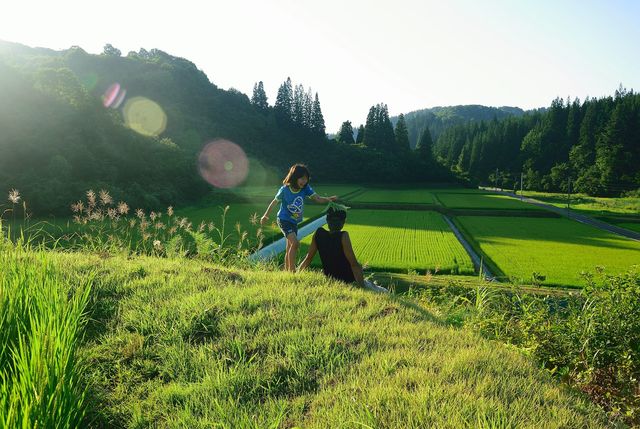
[(284, 102), (402, 135), (388, 137), (370, 129), (308, 119), (423, 148), (259, 98), (345, 135), (317, 119), (297, 113), (378, 131), (360, 136)]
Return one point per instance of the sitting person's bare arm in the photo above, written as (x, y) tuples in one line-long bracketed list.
[(351, 257), (310, 254)]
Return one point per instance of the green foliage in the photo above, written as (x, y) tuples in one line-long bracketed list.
[(438, 119), (94, 148), (259, 97), (378, 131), (424, 146), (595, 144), (200, 345), (591, 339), (42, 317), (360, 136), (345, 135), (402, 135)]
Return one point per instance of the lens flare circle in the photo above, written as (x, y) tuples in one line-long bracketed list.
[(144, 116), (223, 164), (110, 95)]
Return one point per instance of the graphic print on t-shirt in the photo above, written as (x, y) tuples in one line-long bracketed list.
[(295, 208)]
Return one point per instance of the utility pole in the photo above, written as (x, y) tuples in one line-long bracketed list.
[(568, 194), (521, 181)]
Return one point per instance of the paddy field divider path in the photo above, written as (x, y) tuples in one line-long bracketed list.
[(478, 263)]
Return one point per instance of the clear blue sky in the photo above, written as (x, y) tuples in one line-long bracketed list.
[(410, 54)]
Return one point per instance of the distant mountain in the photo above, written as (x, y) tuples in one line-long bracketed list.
[(439, 119)]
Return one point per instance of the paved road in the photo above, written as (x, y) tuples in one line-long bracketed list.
[(575, 216)]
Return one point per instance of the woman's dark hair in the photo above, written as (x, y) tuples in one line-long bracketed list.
[(295, 172), (335, 219)]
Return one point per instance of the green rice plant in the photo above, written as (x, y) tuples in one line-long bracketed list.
[(42, 315), (481, 200), (394, 240), (557, 249), (633, 226), (395, 196)]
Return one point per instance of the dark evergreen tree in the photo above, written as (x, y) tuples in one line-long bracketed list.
[(259, 97), (360, 136), (284, 102), (298, 110), (317, 118), (423, 148), (345, 135), (388, 142), (378, 131), (402, 135), (371, 132)]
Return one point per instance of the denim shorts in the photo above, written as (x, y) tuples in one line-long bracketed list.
[(287, 227)]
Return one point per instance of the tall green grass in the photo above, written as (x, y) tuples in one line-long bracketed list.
[(42, 315), (191, 344)]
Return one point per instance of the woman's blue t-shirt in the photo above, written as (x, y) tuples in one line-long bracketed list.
[(292, 203)]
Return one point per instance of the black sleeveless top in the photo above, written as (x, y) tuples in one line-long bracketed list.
[(334, 262)]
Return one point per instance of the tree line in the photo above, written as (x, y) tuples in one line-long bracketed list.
[(59, 138), (591, 147)]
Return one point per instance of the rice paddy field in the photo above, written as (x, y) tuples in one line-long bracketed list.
[(631, 226), (480, 200), (395, 240), (558, 249), (266, 192), (390, 196), (399, 240)]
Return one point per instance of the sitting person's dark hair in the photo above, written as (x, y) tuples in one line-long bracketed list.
[(335, 219)]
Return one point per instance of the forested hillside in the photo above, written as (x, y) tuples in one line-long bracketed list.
[(591, 147), (135, 125), (438, 119)]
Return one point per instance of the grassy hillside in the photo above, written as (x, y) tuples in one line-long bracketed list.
[(184, 343)]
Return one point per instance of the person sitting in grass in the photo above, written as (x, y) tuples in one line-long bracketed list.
[(336, 253)]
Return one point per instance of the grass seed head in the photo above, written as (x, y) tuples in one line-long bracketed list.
[(14, 196), (105, 198)]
